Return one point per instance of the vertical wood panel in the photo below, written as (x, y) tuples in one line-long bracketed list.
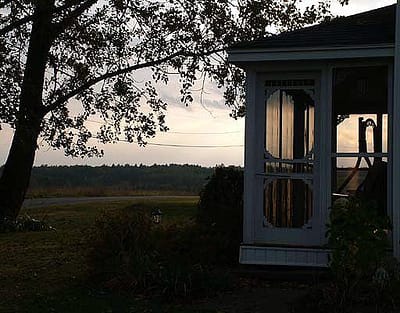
[(396, 142)]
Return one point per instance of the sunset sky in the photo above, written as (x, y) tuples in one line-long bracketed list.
[(197, 125)]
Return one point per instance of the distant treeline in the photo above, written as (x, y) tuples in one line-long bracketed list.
[(184, 178)]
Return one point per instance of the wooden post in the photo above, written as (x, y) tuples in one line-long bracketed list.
[(396, 142)]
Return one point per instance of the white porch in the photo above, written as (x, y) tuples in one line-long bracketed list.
[(297, 158)]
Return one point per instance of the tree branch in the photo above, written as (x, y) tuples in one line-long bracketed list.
[(16, 24), (5, 3), (60, 101), (21, 6), (29, 18), (69, 19)]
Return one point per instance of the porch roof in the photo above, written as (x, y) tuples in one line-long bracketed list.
[(367, 28)]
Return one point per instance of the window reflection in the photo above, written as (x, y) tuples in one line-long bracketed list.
[(290, 124), (348, 131), (288, 203), (289, 145)]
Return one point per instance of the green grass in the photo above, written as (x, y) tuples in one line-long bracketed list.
[(47, 272)]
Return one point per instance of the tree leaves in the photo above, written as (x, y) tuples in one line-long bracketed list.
[(95, 41)]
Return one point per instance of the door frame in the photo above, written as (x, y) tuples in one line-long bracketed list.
[(286, 236)]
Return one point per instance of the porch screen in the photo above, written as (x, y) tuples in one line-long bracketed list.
[(360, 134), (289, 156)]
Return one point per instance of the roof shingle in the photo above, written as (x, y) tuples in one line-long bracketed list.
[(369, 28)]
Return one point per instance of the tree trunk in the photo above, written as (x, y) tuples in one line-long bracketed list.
[(16, 174), (14, 180)]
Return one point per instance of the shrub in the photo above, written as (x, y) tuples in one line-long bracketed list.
[(123, 248), (358, 238), (24, 223), (365, 278), (220, 212), (187, 263), (129, 252)]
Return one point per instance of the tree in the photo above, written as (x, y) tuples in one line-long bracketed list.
[(62, 61)]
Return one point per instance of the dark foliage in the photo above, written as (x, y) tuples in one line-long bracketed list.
[(190, 178), (358, 237), (221, 211), (131, 253), (364, 278), (123, 247), (23, 223)]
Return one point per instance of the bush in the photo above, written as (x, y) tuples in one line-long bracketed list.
[(23, 223), (123, 248), (220, 212), (131, 253), (174, 260), (358, 238), (187, 262), (364, 277)]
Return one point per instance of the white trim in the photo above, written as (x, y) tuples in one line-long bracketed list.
[(282, 67), (390, 149), (396, 142), (241, 57), (305, 176), (361, 155), (288, 256), (323, 177), (270, 159), (298, 49), (249, 205)]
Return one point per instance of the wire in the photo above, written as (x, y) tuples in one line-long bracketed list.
[(186, 133), (172, 145), (193, 146), (200, 133)]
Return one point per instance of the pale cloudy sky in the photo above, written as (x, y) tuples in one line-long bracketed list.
[(199, 124)]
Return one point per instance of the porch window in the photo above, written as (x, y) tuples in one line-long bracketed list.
[(289, 153), (360, 134)]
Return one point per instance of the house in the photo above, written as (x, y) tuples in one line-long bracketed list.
[(322, 123)]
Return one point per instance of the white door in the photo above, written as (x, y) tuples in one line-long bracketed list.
[(288, 197)]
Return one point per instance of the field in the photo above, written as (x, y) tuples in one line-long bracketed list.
[(46, 271), (46, 192)]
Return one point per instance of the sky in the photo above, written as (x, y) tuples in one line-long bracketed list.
[(204, 123)]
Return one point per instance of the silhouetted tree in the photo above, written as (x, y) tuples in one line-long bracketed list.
[(62, 61)]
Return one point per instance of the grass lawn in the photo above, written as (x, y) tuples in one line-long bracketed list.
[(46, 271)]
